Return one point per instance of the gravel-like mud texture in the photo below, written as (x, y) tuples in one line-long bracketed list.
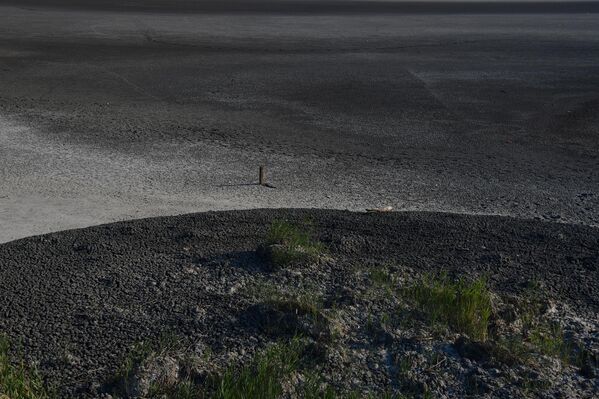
[(115, 110), (78, 301)]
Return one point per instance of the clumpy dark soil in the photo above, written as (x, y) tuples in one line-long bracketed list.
[(78, 301)]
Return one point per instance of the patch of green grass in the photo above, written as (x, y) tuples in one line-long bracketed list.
[(539, 335), (314, 388), (549, 340), (383, 280), (511, 350), (185, 389), (140, 352), (289, 243), (262, 378), (464, 306), (541, 338), (380, 276), (17, 381), (301, 300)]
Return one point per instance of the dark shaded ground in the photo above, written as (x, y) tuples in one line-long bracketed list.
[(77, 300)]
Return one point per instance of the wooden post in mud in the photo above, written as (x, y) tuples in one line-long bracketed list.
[(261, 176)]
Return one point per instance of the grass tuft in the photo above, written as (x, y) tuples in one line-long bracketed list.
[(140, 352), (464, 306), (262, 379), (303, 302), (18, 381), (184, 389), (548, 339), (383, 277), (288, 243)]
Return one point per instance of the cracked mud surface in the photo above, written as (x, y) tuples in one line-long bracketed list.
[(109, 114), (77, 301)]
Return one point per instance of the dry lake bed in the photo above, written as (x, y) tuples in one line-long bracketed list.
[(477, 122), (112, 112)]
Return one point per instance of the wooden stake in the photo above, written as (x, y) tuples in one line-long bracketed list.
[(261, 176)]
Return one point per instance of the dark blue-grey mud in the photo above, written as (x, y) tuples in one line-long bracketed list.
[(77, 301)]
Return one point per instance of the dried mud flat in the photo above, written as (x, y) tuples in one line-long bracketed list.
[(113, 110), (91, 309)]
